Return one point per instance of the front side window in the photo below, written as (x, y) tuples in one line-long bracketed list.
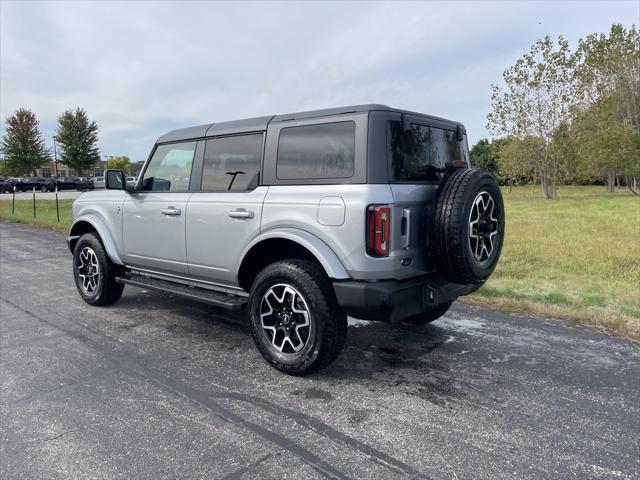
[(170, 168), (325, 150), (423, 152), (232, 163)]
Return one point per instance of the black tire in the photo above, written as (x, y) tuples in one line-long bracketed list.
[(106, 290), (327, 329), (44, 189), (452, 245), (428, 316)]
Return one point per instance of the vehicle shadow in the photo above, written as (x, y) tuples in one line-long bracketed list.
[(413, 359)]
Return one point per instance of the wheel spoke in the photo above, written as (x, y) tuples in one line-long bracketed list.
[(285, 318)]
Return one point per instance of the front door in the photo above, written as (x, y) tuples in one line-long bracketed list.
[(154, 216), (225, 215)]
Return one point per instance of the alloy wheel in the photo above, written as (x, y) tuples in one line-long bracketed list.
[(483, 226), (89, 270), (285, 318)]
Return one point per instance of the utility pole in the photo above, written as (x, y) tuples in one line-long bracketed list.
[(55, 157)]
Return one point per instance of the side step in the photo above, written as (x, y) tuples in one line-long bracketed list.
[(218, 299)]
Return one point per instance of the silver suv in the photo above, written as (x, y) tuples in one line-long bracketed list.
[(301, 219)]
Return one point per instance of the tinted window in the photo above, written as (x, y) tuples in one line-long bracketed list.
[(422, 153), (232, 163), (316, 151), (169, 168)]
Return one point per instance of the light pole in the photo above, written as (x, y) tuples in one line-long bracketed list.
[(55, 157)]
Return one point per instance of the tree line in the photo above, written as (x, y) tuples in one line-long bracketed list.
[(76, 143), (563, 116)]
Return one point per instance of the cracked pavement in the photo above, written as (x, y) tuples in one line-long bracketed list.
[(158, 387)]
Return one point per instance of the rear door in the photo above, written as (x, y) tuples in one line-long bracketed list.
[(154, 216), (224, 215)]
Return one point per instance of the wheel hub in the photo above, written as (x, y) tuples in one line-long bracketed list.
[(483, 226), (285, 318), (88, 270)]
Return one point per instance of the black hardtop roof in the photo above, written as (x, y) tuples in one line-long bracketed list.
[(260, 123)]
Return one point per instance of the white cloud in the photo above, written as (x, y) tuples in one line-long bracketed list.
[(142, 68)]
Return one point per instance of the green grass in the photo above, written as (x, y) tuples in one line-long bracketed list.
[(575, 257), (46, 216)]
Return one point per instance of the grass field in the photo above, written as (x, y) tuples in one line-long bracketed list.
[(576, 257)]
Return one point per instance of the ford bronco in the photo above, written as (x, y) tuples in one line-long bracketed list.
[(301, 219)]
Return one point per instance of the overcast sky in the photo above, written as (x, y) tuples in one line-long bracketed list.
[(143, 68)]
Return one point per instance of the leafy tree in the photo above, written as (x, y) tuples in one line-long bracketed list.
[(119, 163), (534, 101), (518, 159), (78, 139), (484, 156), (23, 146), (607, 120)]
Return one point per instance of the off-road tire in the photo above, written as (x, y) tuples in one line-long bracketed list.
[(449, 233), (428, 316), (328, 329), (108, 290)]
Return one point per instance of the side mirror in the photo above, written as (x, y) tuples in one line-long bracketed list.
[(115, 180)]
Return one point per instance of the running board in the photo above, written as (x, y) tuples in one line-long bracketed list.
[(218, 299)]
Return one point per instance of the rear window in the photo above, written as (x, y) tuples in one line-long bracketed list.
[(324, 150), (422, 153)]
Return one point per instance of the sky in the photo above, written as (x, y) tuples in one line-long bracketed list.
[(143, 68)]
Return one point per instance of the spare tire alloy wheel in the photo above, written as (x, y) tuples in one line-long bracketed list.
[(285, 319), (483, 226)]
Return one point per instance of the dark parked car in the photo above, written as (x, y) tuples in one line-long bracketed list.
[(2, 188), (39, 183), (9, 183), (86, 183), (68, 183)]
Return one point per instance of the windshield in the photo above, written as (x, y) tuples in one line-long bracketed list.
[(422, 153)]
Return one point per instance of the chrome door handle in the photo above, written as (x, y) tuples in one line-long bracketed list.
[(171, 211), (240, 213)]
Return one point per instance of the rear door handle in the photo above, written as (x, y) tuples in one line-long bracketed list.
[(240, 213), (171, 211)]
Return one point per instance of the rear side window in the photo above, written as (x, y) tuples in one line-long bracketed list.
[(422, 153), (316, 151), (170, 168), (232, 163)]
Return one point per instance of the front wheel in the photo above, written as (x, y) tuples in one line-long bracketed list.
[(94, 272), (296, 322)]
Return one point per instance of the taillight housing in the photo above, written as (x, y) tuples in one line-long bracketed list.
[(378, 230)]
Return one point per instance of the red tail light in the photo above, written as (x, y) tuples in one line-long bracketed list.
[(378, 230)]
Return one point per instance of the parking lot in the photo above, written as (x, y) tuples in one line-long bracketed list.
[(160, 387), (62, 195)]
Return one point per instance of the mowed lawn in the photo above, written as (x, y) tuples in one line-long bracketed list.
[(575, 257)]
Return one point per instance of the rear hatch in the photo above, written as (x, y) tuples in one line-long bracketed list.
[(420, 151)]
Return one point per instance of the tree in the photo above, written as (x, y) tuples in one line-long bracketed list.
[(23, 146), (78, 138), (534, 101), (608, 102), (517, 159), (119, 163), (484, 156)]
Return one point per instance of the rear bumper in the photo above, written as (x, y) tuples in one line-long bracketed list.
[(395, 300)]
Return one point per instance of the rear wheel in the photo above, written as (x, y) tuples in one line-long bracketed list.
[(94, 272), (44, 189), (428, 316), (296, 322)]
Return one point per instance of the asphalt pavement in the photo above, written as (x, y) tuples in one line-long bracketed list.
[(159, 387)]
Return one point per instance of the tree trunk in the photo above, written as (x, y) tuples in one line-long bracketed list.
[(632, 183), (611, 178), (510, 185)]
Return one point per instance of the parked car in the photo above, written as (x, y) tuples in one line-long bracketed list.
[(43, 184), (98, 182), (301, 219), (68, 183), (2, 188), (11, 183), (131, 181), (86, 183)]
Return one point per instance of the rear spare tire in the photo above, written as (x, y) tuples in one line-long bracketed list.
[(467, 226)]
